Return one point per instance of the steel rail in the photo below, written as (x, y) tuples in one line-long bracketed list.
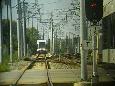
[(28, 67), (49, 83)]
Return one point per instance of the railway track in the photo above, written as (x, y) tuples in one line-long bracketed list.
[(30, 66)]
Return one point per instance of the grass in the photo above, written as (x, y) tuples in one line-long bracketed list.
[(4, 66)]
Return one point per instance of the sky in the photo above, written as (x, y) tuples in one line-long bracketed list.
[(57, 7)]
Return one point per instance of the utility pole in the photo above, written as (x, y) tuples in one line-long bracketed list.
[(43, 33), (82, 41), (11, 32), (32, 22), (67, 43), (52, 36), (73, 43), (100, 45), (18, 26), (28, 19), (95, 76), (19, 30), (51, 40), (60, 49), (32, 26), (56, 41), (24, 28), (0, 32), (37, 24), (78, 44), (7, 3)]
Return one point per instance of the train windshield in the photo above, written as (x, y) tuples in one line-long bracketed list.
[(42, 45)]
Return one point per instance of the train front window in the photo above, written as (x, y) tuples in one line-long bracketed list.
[(42, 45)]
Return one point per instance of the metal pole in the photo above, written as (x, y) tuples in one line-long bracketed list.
[(32, 28), (10, 31), (18, 38), (95, 73), (78, 44), (0, 32), (82, 41), (18, 29), (73, 43), (51, 41), (66, 42), (60, 49), (27, 51), (100, 46), (32, 21), (43, 33), (24, 29), (56, 42), (69, 44), (28, 20), (7, 2), (21, 31), (74, 47), (52, 37), (37, 24)]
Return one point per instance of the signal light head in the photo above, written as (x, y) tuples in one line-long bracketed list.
[(94, 10), (93, 5)]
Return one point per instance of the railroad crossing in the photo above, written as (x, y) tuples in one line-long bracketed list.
[(40, 76), (42, 70)]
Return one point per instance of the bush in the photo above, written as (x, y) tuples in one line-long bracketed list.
[(15, 56), (4, 65)]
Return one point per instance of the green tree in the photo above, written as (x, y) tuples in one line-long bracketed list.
[(32, 37), (6, 43), (6, 34)]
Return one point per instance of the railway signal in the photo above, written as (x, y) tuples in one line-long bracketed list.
[(94, 10), (94, 13)]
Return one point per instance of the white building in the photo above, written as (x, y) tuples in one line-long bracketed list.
[(109, 31)]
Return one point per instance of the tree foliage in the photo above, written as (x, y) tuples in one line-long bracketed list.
[(32, 37), (6, 34), (6, 42)]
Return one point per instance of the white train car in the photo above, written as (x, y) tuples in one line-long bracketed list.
[(41, 47)]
